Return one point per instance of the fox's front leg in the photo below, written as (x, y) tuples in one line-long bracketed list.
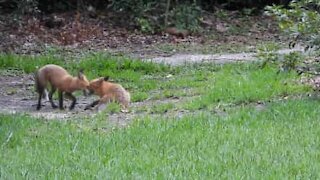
[(39, 101), (72, 98), (53, 90)]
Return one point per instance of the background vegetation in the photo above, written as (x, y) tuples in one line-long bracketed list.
[(301, 21), (148, 15)]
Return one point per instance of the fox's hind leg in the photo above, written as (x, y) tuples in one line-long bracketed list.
[(53, 90), (72, 98), (39, 88), (45, 95), (61, 100), (39, 101)]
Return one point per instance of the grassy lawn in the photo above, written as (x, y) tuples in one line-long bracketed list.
[(239, 122)]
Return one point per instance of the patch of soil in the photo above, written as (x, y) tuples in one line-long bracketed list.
[(77, 33), (17, 95), (180, 59)]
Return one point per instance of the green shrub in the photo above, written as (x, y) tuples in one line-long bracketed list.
[(145, 25), (186, 16), (268, 54), (301, 21)]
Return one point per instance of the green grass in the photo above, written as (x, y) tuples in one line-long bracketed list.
[(246, 83), (27, 63), (162, 108), (221, 135), (100, 64), (280, 141)]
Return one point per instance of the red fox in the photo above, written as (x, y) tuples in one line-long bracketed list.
[(60, 79), (108, 92)]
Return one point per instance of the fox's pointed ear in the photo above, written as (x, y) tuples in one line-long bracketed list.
[(101, 80), (106, 78)]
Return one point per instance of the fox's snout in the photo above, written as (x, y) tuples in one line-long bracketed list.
[(91, 89), (83, 81), (85, 89), (86, 85)]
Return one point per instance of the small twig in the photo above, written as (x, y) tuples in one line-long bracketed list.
[(301, 70), (75, 146), (312, 73), (8, 139), (167, 14)]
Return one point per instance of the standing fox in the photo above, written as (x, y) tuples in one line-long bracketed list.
[(60, 79), (108, 92)]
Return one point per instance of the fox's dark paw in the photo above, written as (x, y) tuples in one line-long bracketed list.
[(38, 108)]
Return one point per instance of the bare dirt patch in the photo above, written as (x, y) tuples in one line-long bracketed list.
[(179, 59), (17, 95)]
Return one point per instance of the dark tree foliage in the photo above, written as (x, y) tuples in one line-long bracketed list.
[(147, 15)]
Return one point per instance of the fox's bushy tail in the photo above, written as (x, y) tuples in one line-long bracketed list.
[(124, 97), (40, 86)]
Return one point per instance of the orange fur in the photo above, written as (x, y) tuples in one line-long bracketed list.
[(58, 78), (108, 92)]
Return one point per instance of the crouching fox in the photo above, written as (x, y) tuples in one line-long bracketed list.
[(59, 79), (108, 92)]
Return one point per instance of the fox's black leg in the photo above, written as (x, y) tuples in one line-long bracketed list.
[(61, 100), (72, 98), (53, 90), (39, 101), (93, 104)]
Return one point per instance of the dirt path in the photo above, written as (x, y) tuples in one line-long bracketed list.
[(180, 59)]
